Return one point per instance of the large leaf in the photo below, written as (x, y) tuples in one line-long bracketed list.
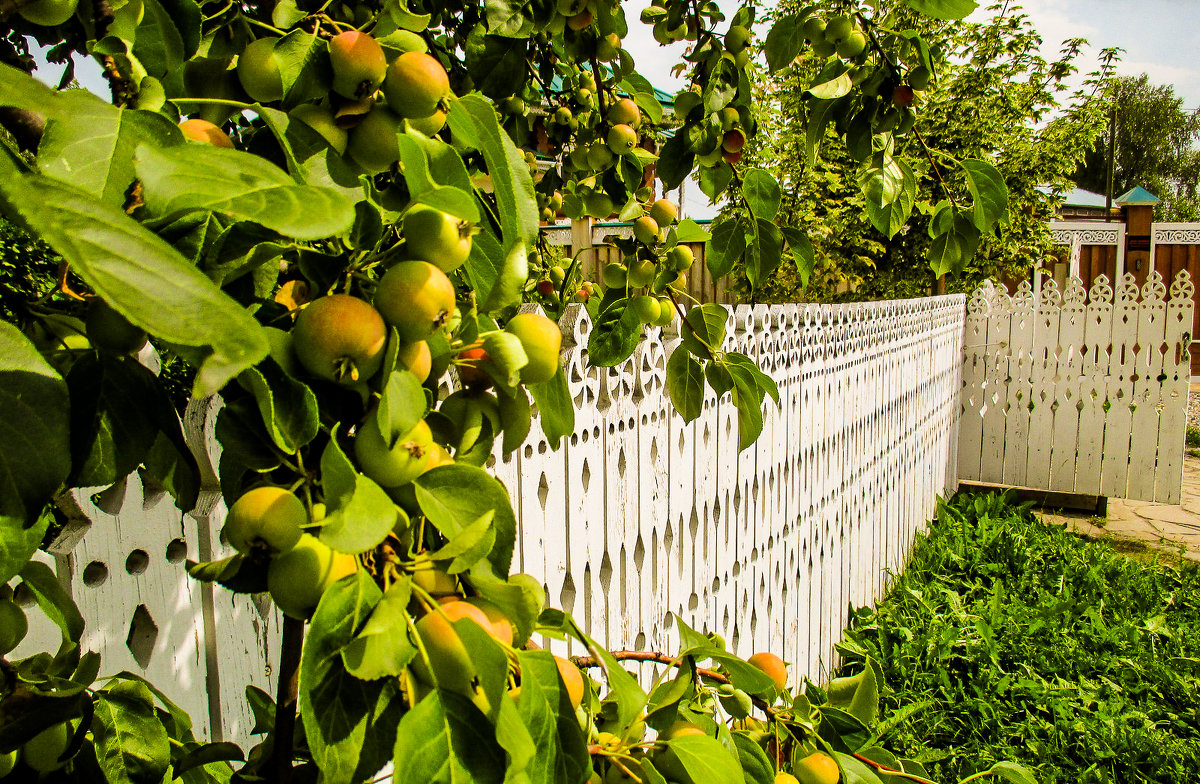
[(53, 600), (890, 193), (343, 716), (91, 147), (110, 430), (988, 190), (727, 246), (205, 178), (360, 514), (455, 496), (944, 9), (167, 36), (473, 121), (614, 336), (140, 275), (685, 383), (784, 41), (704, 759), (444, 739), (547, 713), (762, 193), (131, 743), (288, 408), (34, 447), (555, 408)]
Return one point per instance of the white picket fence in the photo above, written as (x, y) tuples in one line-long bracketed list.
[(1077, 392), (637, 520)]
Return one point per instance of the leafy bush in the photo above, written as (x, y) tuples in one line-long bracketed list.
[(1008, 638)]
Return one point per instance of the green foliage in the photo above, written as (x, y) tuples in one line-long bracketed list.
[(1020, 120), (1155, 147), (28, 269), (1193, 436), (1009, 638)]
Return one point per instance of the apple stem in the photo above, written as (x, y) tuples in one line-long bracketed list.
[(285, 699)]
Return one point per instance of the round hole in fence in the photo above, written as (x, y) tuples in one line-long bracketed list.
[(528, 451), (95, 574), (542, 446), (176, 551), (137, 561)]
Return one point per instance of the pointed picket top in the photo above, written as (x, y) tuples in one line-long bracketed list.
[(1137, 197)]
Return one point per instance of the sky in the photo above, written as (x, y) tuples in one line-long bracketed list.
[(1160, 38)]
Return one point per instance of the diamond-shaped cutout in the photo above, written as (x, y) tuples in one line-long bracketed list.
[(143, 633)]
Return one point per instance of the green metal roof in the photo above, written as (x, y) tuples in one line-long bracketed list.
[(1136, 197)]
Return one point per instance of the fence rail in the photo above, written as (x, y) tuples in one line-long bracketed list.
[(637, 520)]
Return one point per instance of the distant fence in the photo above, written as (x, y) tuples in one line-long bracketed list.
[(637, 520), (1079, 392)]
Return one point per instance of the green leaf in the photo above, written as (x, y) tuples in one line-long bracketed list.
[(92, 146), (614, 336), (727, 246), (444, 739), (496, 64), (704, 759), (555, 408), (360, 514), (1012, 772), (689, 231), (951, 250), (34, 443), (865, 704), (166, 34), (473, 121), (819, 114), (756, 765), (344, 717), (52, 599), (383, 648), (715, 179), (944, 9), (401, 406), (854, 771), (131, 742), (703, 329), (139, 275), (988, 190), (515, 417), (241, 186), (685, 383), (675, 162), (110, 432), (304, 67), (18, 544), (762, 193), (498, 276), (750, 418), (802, 252), (546, 711), (416, 165), (288, 407), (833, 88), (765, 252), (890, 216), (455, 496), (784, 41), (506, 357), (623, 687), (469, 546)]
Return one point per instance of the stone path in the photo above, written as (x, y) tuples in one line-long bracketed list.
[(1166, 527)]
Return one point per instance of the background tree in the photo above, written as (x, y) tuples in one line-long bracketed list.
[(992, 96), (1155, 148)]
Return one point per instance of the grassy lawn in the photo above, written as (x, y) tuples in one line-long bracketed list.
[(1009, 639)]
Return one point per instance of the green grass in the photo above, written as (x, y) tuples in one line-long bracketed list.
[(1035, 645), (1193, 436)]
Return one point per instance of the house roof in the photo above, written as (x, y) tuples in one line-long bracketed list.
[(1137, 197), (1081, 198)]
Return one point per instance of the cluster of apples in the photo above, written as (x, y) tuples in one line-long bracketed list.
[(887, 97), (372, 97), (725, 138), (652, 267)]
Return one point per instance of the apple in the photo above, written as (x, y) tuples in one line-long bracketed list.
[(415, 85), (197, 130), (269, 518), (416, 298), (358, 63), (258, 71), (297, 578), (392, 463), (340, 338), (541, 339), (437, 237)]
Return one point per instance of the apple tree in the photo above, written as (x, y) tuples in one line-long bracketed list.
[(327, 213)]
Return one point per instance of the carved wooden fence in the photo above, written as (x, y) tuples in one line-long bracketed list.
[(1078, 392), (637, 520)]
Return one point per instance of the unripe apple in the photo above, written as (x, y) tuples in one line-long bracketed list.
[(48, 13), (599, 156), (645, 230), (615, 276), (580, 21), (736, 39), (270, 518), (647, 308), (111, 331), (359, 64), (664, 212), (666, 312), (783, 777), (415, 85), (41, 752), (429, 125), (681, 257), (396, 464), (598, 205), (852, 45), (622, 139), (641, 273), (773, 666), (919, 78), (417, 358), (297, 578), (198, 130), (903, 95), (838, 28), (435, 582), (608, 48), (625, 112), (437, 237), (712, 158), (321, 120), (572, 679), (562, 115), (8, 761), (817, 768), (448, 657), (814, 29), (416, 298), (541, 339), (258, 71), (731, 157), (373, 143), (733, 141), (499, 625), (340, 338), (730, 119)]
